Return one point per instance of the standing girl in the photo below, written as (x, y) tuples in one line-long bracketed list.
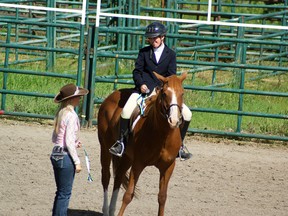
[(64, 157)]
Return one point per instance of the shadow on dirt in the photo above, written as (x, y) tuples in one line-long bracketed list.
[(77, 212)]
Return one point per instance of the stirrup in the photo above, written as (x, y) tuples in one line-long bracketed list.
[(117, 149), (183, 155)]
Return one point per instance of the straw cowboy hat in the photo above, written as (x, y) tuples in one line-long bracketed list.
[(69, 91)]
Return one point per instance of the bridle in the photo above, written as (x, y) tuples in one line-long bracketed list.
[(166, 111)]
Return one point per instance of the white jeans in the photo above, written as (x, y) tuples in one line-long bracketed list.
[(131, 104)]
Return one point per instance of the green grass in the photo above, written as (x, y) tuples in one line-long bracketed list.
[(194, 99), (36, 84), (251, 103), (228, 101)]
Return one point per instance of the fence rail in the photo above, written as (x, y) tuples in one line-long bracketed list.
[(211, 41)]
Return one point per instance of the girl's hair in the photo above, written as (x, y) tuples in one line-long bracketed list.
[(64, 107)]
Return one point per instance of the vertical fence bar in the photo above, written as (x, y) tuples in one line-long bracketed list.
[(51, 36), (209, 10), (80, 59), (215, 60), (92, 75), (16, 34), (126, 39), (6, 65), (138, 23), (86, 74), (129, 38), (172, 26), (122, 22), (242, 86), (80, 54), (281, 48), (241, 75)]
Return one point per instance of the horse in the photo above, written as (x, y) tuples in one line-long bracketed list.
[(155, 140)]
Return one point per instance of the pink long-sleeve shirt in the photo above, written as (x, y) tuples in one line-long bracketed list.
[(67, 134)]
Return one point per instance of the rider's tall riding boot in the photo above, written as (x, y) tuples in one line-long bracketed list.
[(182, 154), (119, 146)]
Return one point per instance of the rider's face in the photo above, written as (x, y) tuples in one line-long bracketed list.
[(156, 41)]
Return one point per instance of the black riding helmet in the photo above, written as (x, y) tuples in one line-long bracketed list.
[(155, 29)]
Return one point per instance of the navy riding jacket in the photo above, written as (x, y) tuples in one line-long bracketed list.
[(146, 63)]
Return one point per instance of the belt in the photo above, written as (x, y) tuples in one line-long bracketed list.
[(59, 149)]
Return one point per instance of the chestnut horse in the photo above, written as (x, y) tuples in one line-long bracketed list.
[(154, 141)]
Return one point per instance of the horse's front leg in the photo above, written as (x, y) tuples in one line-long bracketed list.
[(163, 185), (129, 193)]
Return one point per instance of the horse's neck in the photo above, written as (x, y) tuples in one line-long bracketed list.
[(156, 114)]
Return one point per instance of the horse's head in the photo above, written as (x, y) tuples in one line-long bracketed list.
[(171, 98)]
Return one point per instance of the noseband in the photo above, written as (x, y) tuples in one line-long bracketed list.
[(166, 110)]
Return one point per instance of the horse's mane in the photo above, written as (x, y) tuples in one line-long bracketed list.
[(151, 101)]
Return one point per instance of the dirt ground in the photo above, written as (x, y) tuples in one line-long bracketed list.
[(224, 177)]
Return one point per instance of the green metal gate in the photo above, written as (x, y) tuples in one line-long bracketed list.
[(35, 41), (237, 70), (228, 58)]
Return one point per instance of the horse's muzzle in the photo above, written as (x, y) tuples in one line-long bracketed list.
[(174, 115)]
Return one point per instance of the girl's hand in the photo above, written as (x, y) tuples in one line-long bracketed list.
[(79, 145), (78, 168)]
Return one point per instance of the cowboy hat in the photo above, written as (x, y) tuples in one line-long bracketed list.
[(69, 91)]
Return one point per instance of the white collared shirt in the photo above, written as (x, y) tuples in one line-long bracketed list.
[(158, 51)]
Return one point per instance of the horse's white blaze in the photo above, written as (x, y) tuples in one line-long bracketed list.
[(174, 116)]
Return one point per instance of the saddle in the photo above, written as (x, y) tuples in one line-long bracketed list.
[(141, 110)]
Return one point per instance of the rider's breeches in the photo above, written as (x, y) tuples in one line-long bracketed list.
[(131, 104)]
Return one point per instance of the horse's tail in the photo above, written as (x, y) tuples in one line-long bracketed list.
[(125, 182), (125, 178)]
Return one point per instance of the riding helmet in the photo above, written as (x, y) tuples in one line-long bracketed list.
[(155, 29)]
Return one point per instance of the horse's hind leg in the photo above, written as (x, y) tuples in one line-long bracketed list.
[(105, 163), (120, 178), (129, 193)]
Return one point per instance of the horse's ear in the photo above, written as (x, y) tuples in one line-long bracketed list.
[(183, 76), (161, 78)]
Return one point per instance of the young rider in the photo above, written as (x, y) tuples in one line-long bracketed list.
[(160, 58)]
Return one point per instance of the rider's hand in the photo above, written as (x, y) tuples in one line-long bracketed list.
[(144, 89)]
